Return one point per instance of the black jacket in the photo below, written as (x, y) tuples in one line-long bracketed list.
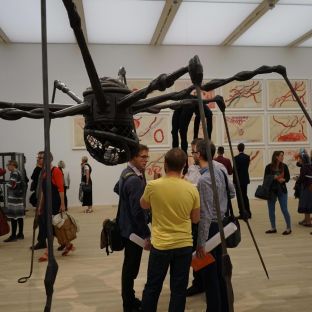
[(276, 187), (242, 165)]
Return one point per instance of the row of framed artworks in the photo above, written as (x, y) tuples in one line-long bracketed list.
[(249, 128), (270, 94), (261, 113)]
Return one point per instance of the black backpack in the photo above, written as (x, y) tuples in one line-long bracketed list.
[(111, 239)]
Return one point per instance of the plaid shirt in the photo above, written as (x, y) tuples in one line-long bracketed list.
[(208, 212)]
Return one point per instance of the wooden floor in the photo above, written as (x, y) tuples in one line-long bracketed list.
[(89, 281)]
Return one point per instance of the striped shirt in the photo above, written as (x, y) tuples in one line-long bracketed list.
[(208, 211)]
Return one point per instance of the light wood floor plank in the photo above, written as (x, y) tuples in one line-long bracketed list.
[(89, 281)]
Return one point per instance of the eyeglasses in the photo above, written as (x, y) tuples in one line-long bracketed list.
[(144, 157), (193, 152)]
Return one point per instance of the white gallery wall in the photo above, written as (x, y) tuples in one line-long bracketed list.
[(20, 81)]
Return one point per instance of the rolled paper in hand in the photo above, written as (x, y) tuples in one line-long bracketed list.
[(215, 240), (199, 263), (137, 240)]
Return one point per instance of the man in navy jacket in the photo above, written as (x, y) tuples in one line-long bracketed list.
[(242, 162), (132, 219)]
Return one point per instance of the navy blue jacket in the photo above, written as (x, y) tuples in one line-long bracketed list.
[(132, 218), (242, 165)]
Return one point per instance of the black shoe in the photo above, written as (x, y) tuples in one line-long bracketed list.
[(270, 231), (60, 248), (10, 239), (286, 232), (133, 309), (38, 246), (193, 290), (137, 303), (20, 236)]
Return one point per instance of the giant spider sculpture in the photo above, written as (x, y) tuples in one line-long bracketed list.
[(108, 107)]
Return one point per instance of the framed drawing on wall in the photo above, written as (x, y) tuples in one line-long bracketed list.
[(280, 97), (153, 130), (78, 126), (181, 84), (288, 128), (243, 94), (190, 132), (244, 128), (155, 164), (137, 84), (257, 161)]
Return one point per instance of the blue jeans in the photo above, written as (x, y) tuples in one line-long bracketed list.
[(282, 199), (179, 260)]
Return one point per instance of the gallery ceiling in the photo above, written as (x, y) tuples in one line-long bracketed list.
[(282, 23)]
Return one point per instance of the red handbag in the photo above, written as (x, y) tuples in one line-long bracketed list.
[(4, 225)]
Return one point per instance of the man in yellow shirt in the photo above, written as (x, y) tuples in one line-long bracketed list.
[(175, 206)]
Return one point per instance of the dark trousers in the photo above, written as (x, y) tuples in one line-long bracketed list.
[(20, 222), (42, 234), (208, 116), (245, 199), (214, 283), (179, 260), (197, 279), (130, 270), (180, 121)]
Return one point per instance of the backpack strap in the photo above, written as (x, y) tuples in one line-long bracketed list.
[(229, 208), (124, 178)]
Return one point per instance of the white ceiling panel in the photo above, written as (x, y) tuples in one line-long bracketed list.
[(121, 21), (226, 1), (206, 23), (279, 27), (21, 21), (295, 2)]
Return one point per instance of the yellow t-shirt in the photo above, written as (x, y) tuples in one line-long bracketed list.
[(172, 200)]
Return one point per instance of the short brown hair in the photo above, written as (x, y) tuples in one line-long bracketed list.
[(137, 150), (13, 163), (175, 159), (201, 149)]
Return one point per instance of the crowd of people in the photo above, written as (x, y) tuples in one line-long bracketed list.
[(180, 225), (15, 205)]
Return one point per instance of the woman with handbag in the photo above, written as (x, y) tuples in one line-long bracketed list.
[(278, 190), (58, 203), (86, 184)]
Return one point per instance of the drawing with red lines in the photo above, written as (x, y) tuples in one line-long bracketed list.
[(247, 94), (279, 95), (152, 129), (245, 128), (155, 165), (288, 128)]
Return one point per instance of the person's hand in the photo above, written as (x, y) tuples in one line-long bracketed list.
[(147, 245), (281, 180), (157, 175), (62, 208), (200, 252)]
